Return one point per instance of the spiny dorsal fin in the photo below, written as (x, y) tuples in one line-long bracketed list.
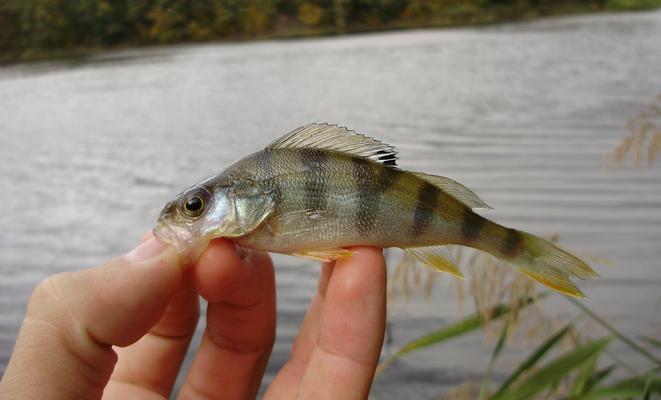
[(437, 258), (340, 139), (454, 189)]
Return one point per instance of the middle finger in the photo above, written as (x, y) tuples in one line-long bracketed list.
[(237, 342)]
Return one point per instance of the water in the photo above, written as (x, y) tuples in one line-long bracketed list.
[(523, 114)]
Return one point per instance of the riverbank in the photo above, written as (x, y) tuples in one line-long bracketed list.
[(42, 29)]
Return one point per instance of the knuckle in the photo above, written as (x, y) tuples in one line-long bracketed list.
[(245, 343), (49, 296), (363, 360), (233, 345), (50, 289)]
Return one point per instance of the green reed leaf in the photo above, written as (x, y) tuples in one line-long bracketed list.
[(583, 379), (466, 325), (651, 341), (553, 371), (532, 359), (626, 389), (598, 377), (625, 339), (496, 352)]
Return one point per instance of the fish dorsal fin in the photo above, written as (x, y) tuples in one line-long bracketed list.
[(454, 189), (437, 258), (340, 139)]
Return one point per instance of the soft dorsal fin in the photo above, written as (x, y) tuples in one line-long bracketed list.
[(339, 139), (437, 258), (454, 189)]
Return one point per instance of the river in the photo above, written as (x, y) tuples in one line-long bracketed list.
[(522, 113)]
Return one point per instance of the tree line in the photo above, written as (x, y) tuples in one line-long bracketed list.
[(40, 27)]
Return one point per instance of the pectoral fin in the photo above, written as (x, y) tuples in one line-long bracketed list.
[(324, 255), (436, 258)]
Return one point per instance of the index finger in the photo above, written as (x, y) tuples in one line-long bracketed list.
[(351, 329)]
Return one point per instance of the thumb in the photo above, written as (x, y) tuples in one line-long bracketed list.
[(64, 348)]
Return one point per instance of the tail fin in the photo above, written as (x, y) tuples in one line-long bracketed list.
[(537, 258), (550, 265)]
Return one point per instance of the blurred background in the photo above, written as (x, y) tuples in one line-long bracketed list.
[(107, 110)]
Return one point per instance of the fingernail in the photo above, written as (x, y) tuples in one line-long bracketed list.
[(148, 249)]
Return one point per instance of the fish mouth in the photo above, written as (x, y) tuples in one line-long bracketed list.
[(187, 245), (179, 238)]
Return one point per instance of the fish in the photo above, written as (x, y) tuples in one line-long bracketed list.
[(322, 188)]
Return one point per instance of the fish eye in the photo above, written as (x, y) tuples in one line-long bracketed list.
[(195, 202)]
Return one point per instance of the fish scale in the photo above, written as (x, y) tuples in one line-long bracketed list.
[(321, 189), (338, 197)]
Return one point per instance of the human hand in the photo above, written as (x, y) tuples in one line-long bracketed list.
[(122, 330)]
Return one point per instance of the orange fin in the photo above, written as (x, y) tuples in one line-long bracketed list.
[(548, 264), (436, 258), (555, 280), (324, 255)]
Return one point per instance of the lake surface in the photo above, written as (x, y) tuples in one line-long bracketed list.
[(524, 114)]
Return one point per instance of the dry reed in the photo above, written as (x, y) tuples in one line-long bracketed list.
[(643, 143)]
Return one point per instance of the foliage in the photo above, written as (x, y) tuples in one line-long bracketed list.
[(631, 4), (37, 28), (310, 14), (466, 325)]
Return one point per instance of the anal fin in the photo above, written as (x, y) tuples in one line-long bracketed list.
[(436, 258), (324, 255)]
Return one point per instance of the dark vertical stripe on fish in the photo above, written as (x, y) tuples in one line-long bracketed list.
[(424, 210), (471, 225), (316, 161), (513, 242), (387, 178), (368, 197)]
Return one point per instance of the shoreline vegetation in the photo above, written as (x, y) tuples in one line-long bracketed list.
[(570, 355), (47, 29)]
